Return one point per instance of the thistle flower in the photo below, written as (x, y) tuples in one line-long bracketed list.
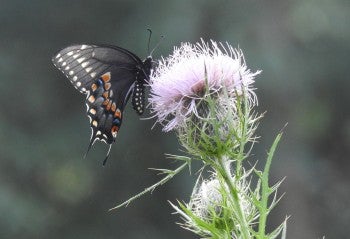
[(213, 206), (194, 72), (207, 199), (213, 196)]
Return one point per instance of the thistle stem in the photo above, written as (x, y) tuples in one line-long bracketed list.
[(224, 170), (244, 116)]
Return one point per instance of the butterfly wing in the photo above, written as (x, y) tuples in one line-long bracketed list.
[(106, 74), (83, 64)]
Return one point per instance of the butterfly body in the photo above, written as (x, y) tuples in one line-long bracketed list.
[(108, 75)]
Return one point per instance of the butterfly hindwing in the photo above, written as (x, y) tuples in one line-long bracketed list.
[(106, 102), (108, 75)]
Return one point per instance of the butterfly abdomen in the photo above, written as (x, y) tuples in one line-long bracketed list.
[(138, 97)]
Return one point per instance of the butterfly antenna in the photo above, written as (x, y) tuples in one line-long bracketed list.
[(160, 41), (109, 150), (89, 147), (149, 39)]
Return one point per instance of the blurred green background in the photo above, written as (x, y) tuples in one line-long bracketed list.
[(49, 191)]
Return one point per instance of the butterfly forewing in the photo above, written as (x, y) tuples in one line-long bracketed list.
[(108, 75), (76, 64)]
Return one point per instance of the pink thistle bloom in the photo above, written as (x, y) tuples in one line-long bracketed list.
[(192, 70)]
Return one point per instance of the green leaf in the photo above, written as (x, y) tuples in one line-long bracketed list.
[(151, 188), (265, 189)]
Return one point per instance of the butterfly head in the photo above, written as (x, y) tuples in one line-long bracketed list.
[(148, 63)]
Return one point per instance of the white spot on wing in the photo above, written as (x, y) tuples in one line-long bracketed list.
[(75, 78), (84, 64), (58, 56), (83, 47), (64, 63), (79, 84), (88, 69), (93, 74), (71, 72), (70, 53), (76, 56), (61, 59), (80, 60), (92, 111), (67, 68)]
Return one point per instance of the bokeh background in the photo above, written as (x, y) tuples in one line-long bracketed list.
[(47, 190)]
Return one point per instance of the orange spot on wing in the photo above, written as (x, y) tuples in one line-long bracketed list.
[(105, 102), (118, 114), (113, 107), (115, 129), (106, 77), (108, 107), (107, 86), (105, 94), (94, 87)]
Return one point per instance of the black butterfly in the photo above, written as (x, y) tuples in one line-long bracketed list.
[(108, 75)]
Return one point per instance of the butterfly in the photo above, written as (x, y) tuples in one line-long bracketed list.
[(108, 76)]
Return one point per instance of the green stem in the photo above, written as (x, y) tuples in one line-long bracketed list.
[(226, 174), (244, 116), (265, 189)]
